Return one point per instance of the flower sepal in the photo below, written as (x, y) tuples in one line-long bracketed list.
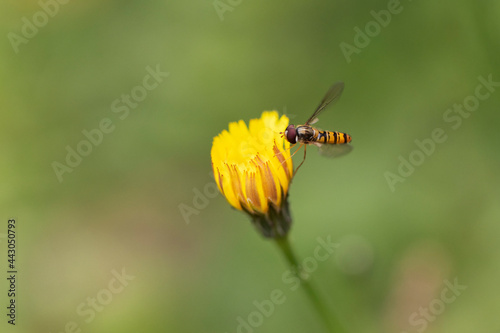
[(275, 223)]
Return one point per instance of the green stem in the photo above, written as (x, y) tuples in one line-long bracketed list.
[(329, 320)]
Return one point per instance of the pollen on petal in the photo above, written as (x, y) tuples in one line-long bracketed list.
[(220, 181), (271, 190), (232, 191), (252, 193), (286, 164)]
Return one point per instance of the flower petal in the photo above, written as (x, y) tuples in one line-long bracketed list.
[(252, 165)]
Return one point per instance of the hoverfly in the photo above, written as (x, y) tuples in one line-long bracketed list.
[(331, 144)]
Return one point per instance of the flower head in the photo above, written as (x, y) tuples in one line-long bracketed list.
[(253, 170)]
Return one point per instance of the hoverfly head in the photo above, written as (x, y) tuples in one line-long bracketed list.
[(291, 134)]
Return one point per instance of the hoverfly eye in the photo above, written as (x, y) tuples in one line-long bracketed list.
[(291, 134)]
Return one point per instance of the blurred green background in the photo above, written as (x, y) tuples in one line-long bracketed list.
[(120, 207)]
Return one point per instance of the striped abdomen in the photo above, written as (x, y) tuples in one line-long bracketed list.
[(331, 137)]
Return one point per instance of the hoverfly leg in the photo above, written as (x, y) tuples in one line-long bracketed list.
[(289, 148), (305, 150), (295, 152)]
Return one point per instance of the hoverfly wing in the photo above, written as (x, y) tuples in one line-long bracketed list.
[(312, 121), (331, 96), (334, 150)]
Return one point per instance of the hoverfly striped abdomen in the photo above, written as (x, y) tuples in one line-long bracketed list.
[(332, 137)]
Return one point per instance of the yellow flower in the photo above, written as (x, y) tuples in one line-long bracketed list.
[(253, 170)]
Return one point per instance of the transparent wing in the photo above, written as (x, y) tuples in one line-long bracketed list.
[(332, 95), (334, 150)]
